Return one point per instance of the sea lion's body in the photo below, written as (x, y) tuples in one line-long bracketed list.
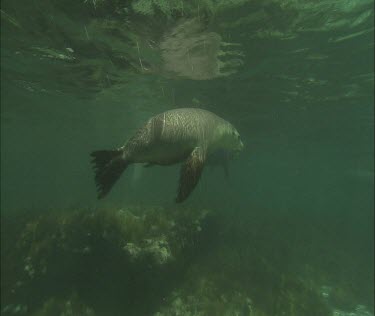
[(188, 134), (169, 137)]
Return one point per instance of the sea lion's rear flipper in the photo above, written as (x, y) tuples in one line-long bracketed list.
[(190, 173), (108, 166)]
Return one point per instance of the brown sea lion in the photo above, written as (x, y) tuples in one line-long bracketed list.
[(187, 135)]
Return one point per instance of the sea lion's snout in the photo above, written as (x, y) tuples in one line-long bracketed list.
[(238, 148), (235, 140)]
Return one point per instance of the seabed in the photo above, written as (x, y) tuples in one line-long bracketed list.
[(168, 262)]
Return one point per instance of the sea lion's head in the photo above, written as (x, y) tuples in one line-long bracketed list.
[(230, 139)]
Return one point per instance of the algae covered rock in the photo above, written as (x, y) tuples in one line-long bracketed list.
[(205, 298), (157, 261), (121, 255), (64, 307)]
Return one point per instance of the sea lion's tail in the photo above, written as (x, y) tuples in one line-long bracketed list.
[(108, 166)]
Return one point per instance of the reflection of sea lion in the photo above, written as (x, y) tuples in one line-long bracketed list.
[(189, 50), (189, 135)]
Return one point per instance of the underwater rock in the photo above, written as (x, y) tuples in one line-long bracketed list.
[(57, 252), (158, 249), (341, 300), (162, 262), (64, 307), (360, 310), (205, 298), (14, 309)]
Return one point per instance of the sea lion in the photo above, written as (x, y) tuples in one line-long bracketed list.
[(187, 135)]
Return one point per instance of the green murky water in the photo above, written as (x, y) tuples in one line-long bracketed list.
[(289, 233)]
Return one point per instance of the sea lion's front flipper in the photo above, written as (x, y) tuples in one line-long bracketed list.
[(190, 173)]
